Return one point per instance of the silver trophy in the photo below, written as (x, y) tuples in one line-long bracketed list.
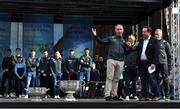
[(37, 93), (70, 87)]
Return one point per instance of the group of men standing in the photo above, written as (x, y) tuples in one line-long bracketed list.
[(46, 71), (137, 58)]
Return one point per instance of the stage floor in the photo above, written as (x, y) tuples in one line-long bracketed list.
[(85, 103)]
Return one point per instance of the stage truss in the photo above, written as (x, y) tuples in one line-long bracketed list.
[(175, 44)]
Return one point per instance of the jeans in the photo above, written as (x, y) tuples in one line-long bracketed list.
[(31, 78), (56, 82), (38, 79), (163, 70), (130, 75), (84, 76)]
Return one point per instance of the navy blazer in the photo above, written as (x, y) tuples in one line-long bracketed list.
[(150, 50)]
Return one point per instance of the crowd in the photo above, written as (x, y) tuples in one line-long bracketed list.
[(136, 68)]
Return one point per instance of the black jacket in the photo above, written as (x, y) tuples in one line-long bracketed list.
[(131, 55), (150, 50), (8, 63), (164, 55), (71, 65), (44, 66), (56, 66), (116, 47)]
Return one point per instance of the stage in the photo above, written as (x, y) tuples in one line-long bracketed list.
[(85, 103)]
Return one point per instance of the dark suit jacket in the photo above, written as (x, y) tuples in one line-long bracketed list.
[(150, 50)]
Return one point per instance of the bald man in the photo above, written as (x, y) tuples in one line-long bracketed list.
[(115, 61), (163, 64)]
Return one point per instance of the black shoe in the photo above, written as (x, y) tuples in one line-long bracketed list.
[(108, 98), (116, 98), (148, 99), (142, 99)]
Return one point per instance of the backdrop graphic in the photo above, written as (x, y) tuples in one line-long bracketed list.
[(58, 37), (5, 30), (37, 33), (77, 34)]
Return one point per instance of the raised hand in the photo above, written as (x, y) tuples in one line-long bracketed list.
[(94, 32), (136, 45)]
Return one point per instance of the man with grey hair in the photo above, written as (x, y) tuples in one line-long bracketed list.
[(163, 62), (115, 60)]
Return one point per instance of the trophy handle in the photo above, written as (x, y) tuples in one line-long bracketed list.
[(47, 89), (84, 83), (26, 89)]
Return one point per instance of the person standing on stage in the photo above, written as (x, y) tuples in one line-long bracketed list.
[(31, 63), (147, 59), (45, 76), (96, 61), (14, 78), (56, 71), (8, 71), (20, 72), (86, 62), (163, 61), (102, 68), (71, 65), (115, 61), (130, 73)]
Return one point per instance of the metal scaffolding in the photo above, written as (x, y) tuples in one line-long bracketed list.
[(175, 44), (135, 30)]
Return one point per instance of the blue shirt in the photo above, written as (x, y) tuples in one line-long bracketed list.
[(20, 69)]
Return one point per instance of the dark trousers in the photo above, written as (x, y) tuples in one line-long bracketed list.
[(46, 81), (72, 76), (102, 74), (147, 80), (130, 75), (21, 86), (15, 85), (121, 91), (6, 76), (12, 83), (163, 70)]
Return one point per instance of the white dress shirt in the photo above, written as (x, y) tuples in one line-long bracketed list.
[(145, 43)]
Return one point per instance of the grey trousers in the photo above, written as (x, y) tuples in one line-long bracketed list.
[(114, 69)]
